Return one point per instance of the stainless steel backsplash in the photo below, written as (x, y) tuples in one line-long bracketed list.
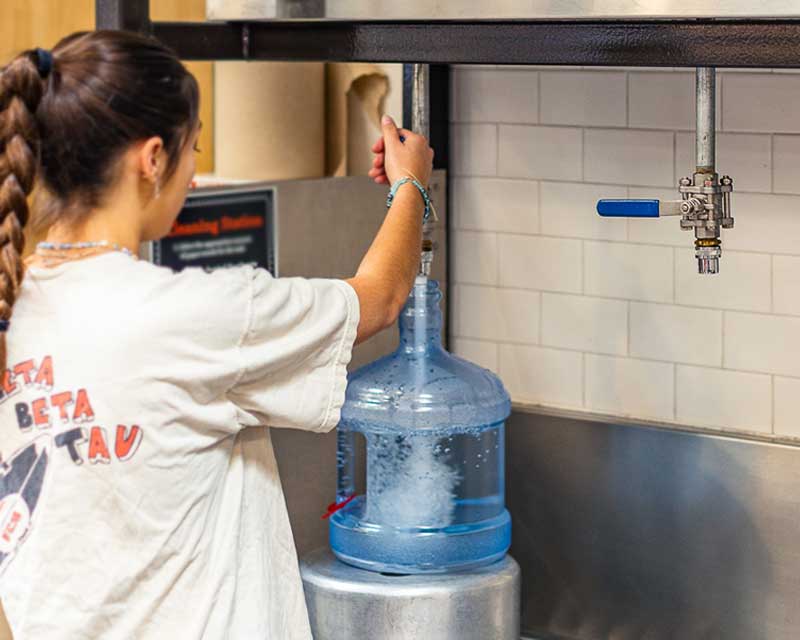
[(628, 533)]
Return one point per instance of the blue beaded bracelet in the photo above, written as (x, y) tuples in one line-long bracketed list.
[(423, 191), (4, 325)]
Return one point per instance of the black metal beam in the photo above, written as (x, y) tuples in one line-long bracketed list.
[(126, 15), (670, 43)]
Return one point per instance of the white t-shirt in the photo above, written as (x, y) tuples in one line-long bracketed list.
[(139, 495)]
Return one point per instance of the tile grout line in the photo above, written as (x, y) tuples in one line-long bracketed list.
[(772, 284), (566, 181), (772, 408), (622, 128), (636, 243), (674, 159), (661, 303), (618, 356), (538, 97), (583, 155), (583, 267), (540, 212), (628, 320), (583, 379), (627, 99), (541, 318), (674, 275), (599, 297), (497, 259), (772, 163), (497, 149), (675, 391)]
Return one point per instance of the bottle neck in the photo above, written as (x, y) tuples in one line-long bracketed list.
[(421, 319)]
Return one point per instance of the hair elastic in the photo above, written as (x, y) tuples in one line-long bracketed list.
[(44, 62), (4, 324)]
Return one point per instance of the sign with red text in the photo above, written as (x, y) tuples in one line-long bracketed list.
[(221, 228)]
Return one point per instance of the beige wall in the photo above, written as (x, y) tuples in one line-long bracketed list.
[(30, 23)]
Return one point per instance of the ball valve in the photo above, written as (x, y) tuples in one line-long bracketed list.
[(705, 205)]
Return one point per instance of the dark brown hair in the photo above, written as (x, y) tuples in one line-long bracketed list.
[(63, 126)]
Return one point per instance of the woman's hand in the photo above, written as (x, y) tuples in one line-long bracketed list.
[(395, 159)]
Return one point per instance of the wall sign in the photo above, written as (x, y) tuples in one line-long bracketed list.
[(222, 228)]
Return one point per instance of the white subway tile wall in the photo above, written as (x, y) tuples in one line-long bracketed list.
[(661, 100), (629, 156), (609, 315), (553, 153), (477, 351), (583, 98)]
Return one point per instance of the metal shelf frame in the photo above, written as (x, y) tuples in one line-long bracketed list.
[(679, 42)]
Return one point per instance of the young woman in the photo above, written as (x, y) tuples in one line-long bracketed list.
[(139, 496)]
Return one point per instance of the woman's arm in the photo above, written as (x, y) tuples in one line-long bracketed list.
[(386, 274)]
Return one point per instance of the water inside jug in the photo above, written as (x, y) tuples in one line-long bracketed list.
[(421, 456)]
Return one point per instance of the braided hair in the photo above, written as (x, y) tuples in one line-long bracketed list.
[(21, 88), (65, 119)]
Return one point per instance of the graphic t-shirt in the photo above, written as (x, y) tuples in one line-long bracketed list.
[(139, 494)]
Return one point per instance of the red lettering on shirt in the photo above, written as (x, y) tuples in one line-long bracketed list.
[(44, 377), (24, 369), (61, 401), (41, 415), (83, 409), (98, 450), (127, 443), (9, 386)]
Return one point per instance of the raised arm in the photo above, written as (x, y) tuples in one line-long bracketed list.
[(387, 271)]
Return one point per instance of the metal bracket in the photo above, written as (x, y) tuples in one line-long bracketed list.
[(246, 41), (123, 15)]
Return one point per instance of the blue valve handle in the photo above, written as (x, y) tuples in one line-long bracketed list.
[(628, 208)]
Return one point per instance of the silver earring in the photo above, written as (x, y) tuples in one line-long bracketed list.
[(158, 188)]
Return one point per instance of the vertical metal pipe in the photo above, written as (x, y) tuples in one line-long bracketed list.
[(706, 84), (421, 100), (421, 124)]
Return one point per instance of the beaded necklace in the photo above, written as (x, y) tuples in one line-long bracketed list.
[(53, 253)]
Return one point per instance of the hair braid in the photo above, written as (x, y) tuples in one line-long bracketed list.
[(21, 89)]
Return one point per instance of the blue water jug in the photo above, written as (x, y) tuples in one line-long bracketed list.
[(421, 457)]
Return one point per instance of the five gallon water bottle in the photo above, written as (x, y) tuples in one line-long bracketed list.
[(421, 456)]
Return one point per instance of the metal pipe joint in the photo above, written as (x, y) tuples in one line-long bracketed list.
[(705, 204)]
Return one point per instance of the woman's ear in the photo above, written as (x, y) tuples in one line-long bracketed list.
[(151, 159)]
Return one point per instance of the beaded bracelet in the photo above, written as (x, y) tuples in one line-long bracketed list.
[(423, 191)]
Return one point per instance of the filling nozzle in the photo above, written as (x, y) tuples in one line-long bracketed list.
[(427, 253), (708, 253)]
